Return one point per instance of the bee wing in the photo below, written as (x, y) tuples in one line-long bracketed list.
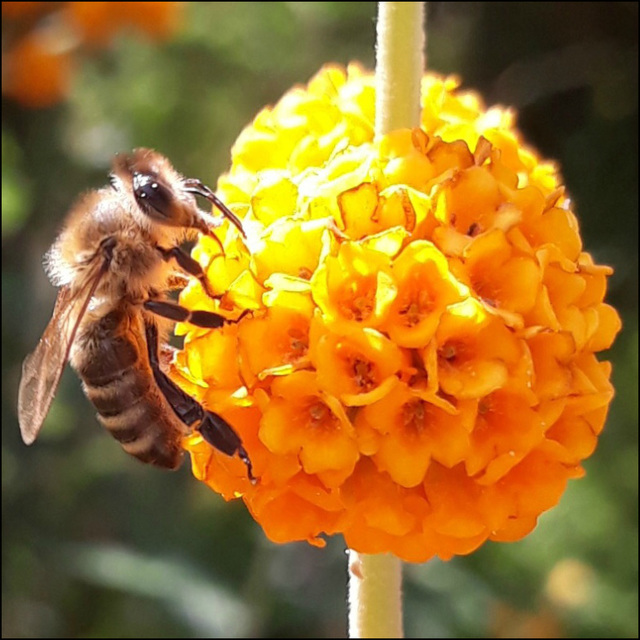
[(42, 369)]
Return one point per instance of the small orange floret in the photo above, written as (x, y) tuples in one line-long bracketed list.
[(301, 419), (358, 367), (354, 289), (274, 344), (477, 353), (502, 276), (412, 431), (425, 289)]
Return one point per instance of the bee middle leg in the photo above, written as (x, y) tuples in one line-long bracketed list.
[(213, 428)]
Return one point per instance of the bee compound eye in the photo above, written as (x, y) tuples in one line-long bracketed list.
[(153, 197)]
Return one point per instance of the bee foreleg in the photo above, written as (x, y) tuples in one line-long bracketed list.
[(191, 266), (200, 318)]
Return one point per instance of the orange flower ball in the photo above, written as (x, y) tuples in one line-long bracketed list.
[(417, 369)]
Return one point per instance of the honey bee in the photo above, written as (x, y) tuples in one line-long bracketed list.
[(113, 262)]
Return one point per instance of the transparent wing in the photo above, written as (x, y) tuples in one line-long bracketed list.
[(42, 369)]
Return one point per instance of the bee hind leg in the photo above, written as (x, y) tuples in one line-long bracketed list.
[(214, 428), (218, 433)]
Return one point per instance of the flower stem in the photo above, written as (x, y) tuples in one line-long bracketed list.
[(399, 65), (375, 581), (375, 599)]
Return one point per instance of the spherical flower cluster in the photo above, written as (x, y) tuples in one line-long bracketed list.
[(414, 367), (41, 39)]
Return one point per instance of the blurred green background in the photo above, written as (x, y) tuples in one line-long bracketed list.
[(97, 545)]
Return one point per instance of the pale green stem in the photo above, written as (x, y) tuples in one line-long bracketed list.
[(399, 65), (375, 581), (375, 596)]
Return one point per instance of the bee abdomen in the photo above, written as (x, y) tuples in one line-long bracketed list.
[(135, 416), (118, 380), (116, 396), (147, 432)]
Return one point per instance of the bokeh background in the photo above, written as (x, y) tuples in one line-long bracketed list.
[(96, 545)]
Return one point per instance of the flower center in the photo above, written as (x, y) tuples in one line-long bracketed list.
[(474, 229), (414, 415), (488, 291), (448, 351), (356, 304), (484, 407), (363, 373), (411, 313), (298, 345), (320, 416), (416, 307)]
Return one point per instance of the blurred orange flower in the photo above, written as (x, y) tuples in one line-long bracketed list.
[(40, 40), (416, 369)]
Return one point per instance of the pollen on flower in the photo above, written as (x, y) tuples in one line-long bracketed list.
[(415, 367)]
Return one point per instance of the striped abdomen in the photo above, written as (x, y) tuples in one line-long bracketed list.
[(110, 356)]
